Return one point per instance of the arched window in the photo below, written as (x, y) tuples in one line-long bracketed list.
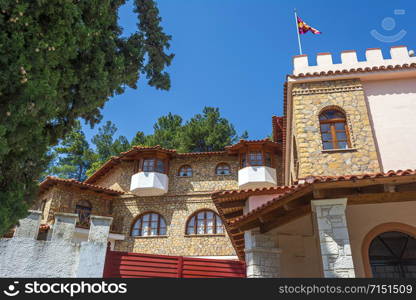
[(149, 224), (393, 255), (83, 209), (223, 169), (204, 222), (185, 171), (334, 130)]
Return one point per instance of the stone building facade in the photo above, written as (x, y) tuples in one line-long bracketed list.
[(342, 211), (109, 192), (313, 202), (309, 100)]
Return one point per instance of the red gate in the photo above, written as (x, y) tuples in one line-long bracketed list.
[(136, 265)]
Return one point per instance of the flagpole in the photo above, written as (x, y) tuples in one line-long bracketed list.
[(297, 30)]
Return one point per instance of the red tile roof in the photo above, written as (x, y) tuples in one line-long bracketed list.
[(242, 143), (189, 154), (239, 194), (117, 159), (309, 181), (51, 181)]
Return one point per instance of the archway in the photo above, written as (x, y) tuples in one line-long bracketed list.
[(392, 254)]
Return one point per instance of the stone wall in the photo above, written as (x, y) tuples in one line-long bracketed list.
[(64, 199), (308, 101), (203, 178), (334, 240), (175, 210), (185, 196)]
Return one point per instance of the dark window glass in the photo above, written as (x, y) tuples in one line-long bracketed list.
[(153, 165), (83, 209), (393, 255), (256, 158), (223, 169), (185, 171), (334, 130)]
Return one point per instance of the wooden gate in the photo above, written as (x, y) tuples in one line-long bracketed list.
[(136, 265)]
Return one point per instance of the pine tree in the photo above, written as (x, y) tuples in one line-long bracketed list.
[(60, 61), (207, 132), (106, 145), (73, 156)]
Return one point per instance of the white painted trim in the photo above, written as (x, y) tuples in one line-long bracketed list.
[(338, 201), (111, 236)]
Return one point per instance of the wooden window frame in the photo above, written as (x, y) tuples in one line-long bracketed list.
[(188, 168), (139, 165), (80, 209), (149, 230), (194, 216), (222, 165), (333, 131), (245, 155)]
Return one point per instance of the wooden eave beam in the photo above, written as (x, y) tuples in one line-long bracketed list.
[(288, 217), (232, 204), (233, 214), (365, 182), (254, 218), (382, 197)]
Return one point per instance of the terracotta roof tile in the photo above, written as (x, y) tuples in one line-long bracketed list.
[(288, 192), (117, 159), (50, 181), (310, 180), (249, 192)]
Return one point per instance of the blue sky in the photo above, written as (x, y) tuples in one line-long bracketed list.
[(235, 55)]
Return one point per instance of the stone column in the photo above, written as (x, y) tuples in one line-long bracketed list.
[(92, 253), (64, 226), (262, 255), (334, 240), (29, 226)]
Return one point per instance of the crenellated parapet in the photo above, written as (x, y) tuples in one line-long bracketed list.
[(399, 57)]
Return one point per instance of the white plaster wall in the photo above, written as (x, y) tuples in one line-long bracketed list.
[(256, 177), (361, 219), (300, 256), (149, 184), (392, 106), (22, 257)]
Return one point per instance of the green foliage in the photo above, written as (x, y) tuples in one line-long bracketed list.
[(73, 155), (60, 61), (207, 132), (106, 146), (166, 132)]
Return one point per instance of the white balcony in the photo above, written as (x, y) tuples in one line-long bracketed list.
[(256, 177), (149, 184)]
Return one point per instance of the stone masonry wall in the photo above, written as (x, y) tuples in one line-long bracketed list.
[(203, 178), (186, 195), (176, 211), (64, 199), (308, 101)]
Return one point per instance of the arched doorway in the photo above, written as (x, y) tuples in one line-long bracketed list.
[(392, 254)]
